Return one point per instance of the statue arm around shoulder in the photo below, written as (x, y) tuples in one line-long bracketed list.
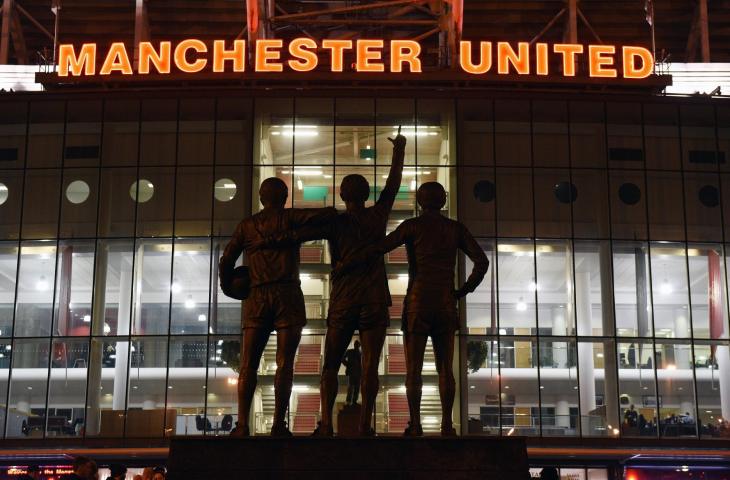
[(311, 216), (481, 264), (392, 241)]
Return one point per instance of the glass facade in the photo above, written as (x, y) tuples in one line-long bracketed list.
[(603, 220)]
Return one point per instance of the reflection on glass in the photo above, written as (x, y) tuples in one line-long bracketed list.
[(34, 307)]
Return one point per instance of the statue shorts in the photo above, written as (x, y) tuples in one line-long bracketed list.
[(360, 317), (275, 307), (430, 322)]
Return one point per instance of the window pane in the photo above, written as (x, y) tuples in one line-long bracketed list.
[(520, 408), (83, 131), (117, 205), (677, 412), (516, 272), (512, 133), (107, 387), (554, 288), (121, 133), (74, 277), (587, 134), (159, 132), (483, 386), (195, 131), (146, 415), (27, 403), (481, 318), (477, 192), (67, 394), (45, 134), (559, 387), (12, 134), (550, 134), (661, 136), (5, 356), (313, 131), (514, 212), (590, 209), (152, 287), (273, 134), (434, 125), (190, 270), (625, 141), (154, 191), (355, 131), (598, 386), (391, 113), (186, 385), (193, 201), (476, 132), (35, 289), (113, 287), (554, 192), (637, 389), (666, 212), (79, 202), (11, 194), (699, 150), (702, 200), (233, 131), (222, 392), (707, 287), (628, 204), (8, 272), (230, 182), (711, 363), (631, 289), (40, 204), (669, 290), (225, 312), (594, 289)]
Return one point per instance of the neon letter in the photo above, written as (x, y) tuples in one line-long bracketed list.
[(237, 55), (600, 64), (263, 55), (569, 51), (116, 60), (367, 59), (405, 51), (181, 60), (630, 68), (337, 47), (301, 49), (148, 54), (69, 62), (506, 55), (485, 57), (542, 58)]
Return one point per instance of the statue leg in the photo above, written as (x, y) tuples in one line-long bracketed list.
[(415, 349), (372, 341), (287, 341), (443, 349), (252, 347), (334, 350)]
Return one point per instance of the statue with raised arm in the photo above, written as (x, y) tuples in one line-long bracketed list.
[(359, 299), (432, 242), (274, 297)]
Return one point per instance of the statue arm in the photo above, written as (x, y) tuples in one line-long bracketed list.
[(227, 263), (301, 217), (392, 241), (392, 184), (471, 248)]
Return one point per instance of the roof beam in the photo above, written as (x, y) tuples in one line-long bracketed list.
[(141, 27), (16, 32), (35, 22), (5, 31), (704, 31), (571, 22), (339, 10)]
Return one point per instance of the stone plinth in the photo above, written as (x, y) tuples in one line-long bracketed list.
[(351, 458)]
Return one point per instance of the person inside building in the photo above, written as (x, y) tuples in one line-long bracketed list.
[(631, 416), (353, 371), (360, 298), (549, 473), (275, 301), (432, 242)]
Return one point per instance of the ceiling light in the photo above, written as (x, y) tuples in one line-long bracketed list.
[(666, 288), (300, 185), (42, 284), (202, 318), (175, 287), (87, 318), (190, 303), (521, 306), (533, 286)]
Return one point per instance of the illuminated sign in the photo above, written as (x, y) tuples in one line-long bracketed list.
[(272, 56)]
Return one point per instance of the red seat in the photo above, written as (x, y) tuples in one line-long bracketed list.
[(396, 309), (305, 417), (307, 361), (398, 414), (399, 255), (396, 358)]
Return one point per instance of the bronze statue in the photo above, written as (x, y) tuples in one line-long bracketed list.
[(275, 300), (359, 298), (432, 242)]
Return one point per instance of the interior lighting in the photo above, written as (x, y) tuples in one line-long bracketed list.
[(42, 284), (300, 185), (666, 288), (202, 318), (190, 303), (175, 287), (87, 318), (521, 305)]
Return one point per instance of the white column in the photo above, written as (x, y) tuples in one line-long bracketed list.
[(681, 324), (560, 349), (723, 373), (610, 362), (562, 413), (122, 348), (584, 321)]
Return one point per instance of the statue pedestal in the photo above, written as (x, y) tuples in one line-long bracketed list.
[(437, 458), (348, 420)]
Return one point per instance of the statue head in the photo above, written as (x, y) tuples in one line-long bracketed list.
[(273, 192), (431, 196), (354, 188)]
